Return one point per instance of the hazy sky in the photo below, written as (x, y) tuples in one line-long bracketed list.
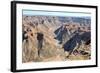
[(56, 13)]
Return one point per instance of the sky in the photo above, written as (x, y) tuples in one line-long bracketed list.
[(55, 13)]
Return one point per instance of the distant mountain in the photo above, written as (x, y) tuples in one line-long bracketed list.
[(56, 21), (82, 21)]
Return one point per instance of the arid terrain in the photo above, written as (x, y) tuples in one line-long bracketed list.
[(52, 49)]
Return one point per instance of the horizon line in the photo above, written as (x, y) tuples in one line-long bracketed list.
[(55, 13)]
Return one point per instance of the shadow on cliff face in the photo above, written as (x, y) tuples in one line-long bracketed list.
[(62, 34), (72, 43), (77, 38), (58, 34)]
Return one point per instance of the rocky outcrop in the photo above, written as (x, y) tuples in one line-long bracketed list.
[(49, 25)]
